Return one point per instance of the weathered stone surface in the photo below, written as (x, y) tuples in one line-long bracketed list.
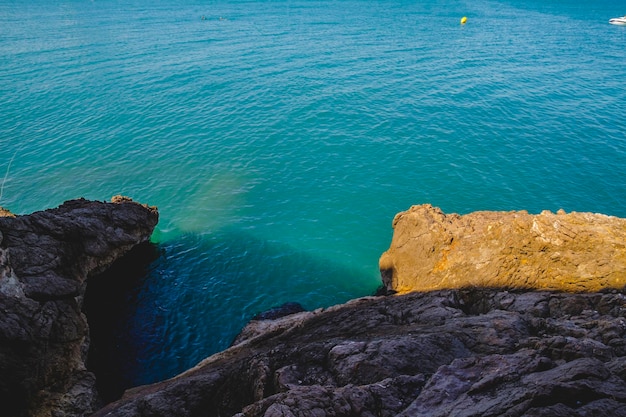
[(466, 352), (469, 350), (570, 252), (45, 260)]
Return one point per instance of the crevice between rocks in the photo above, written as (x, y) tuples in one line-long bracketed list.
[(110, 297)]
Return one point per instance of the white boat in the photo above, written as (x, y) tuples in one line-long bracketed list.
[(618, 21)]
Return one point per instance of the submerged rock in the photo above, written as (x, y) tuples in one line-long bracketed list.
[(280, 311), (468, 352), (45, 259), (569, 252)]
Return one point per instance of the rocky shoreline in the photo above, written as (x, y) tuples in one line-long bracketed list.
[(45, 260), (575, 252), (471, 352), (467, 336)]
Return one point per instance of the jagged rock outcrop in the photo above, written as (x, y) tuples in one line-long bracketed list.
[(569, 252), (45, 260), (467, 352), (464, 351), (470, 351)]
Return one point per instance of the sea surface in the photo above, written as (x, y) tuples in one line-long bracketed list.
[(279, 139)]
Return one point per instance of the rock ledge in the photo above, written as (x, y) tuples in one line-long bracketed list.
[(45, 259), (470, 352), (569, 252), (463, 346)]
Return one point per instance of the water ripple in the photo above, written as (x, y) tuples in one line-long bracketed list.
[(279, 139)]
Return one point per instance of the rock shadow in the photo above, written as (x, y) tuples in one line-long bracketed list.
[(163, 308)]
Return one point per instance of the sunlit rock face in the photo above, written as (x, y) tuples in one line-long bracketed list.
[(573, 252), (45, 261)]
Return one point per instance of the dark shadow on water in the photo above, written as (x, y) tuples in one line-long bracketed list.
[(163, 308), (109, 300)]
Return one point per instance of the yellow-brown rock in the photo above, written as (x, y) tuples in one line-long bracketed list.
[(576, 252)]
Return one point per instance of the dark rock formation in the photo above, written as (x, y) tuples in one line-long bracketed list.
[(466, 352), (461, 351), (449, 352), (568, 252), (45, 260), (280, 311)]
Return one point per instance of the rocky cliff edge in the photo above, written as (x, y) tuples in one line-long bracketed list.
[(45, 259), (548, 251), (469, 352), (497, 342)]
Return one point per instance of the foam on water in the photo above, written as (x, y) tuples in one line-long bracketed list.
[(279, 139)]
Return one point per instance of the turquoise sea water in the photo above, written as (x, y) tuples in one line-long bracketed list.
[(279, 138)]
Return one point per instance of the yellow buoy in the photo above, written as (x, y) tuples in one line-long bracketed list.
[(463, 20)]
